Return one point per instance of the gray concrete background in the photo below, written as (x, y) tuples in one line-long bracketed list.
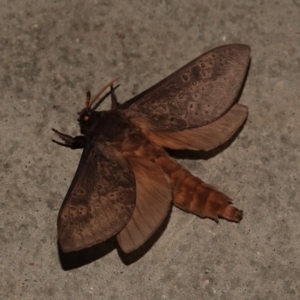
[(53, 51)]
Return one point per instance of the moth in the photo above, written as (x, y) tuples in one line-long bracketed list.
[(126, 181)]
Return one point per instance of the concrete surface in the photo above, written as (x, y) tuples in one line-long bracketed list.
[(53, 51)]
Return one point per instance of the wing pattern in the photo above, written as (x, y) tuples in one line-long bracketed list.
[(101, 196), (195, 95)]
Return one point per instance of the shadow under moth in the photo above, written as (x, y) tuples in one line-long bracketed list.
[(126, 181)]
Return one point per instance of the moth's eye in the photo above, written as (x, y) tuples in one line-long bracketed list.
[(86, 117)]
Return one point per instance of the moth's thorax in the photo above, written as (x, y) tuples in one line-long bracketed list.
[(108, 126)]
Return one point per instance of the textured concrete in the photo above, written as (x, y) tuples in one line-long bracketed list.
[(51, 52)]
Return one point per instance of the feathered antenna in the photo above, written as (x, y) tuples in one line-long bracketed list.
[(89, 102)]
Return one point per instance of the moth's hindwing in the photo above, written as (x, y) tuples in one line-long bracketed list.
[(153, 201), (206, 137)]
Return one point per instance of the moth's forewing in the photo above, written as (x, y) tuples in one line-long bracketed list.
[(195, 95), (100, 200), (153, 201)]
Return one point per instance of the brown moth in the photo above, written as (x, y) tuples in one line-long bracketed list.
[(126, 182)]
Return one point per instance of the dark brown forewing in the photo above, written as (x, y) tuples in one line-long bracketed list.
[(206, 137), (100, 200), (153, 201), (195, 95)]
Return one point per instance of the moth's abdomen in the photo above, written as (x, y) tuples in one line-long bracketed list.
[(195, 196), (189, 192)]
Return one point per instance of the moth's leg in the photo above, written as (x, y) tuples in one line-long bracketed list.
[(114, 102), (195, 196), (72, 142)]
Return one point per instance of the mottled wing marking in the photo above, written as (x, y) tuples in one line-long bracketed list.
[(99, 203), (153, 201), (195, 95)]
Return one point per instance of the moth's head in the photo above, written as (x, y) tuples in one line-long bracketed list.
[(86, 114)]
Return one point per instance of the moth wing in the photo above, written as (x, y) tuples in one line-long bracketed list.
[(206, 137), (153, 201), (100, 200), (197, 94)]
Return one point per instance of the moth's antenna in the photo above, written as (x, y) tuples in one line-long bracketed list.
[(90, 102), (88, 99), (114, 102)]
